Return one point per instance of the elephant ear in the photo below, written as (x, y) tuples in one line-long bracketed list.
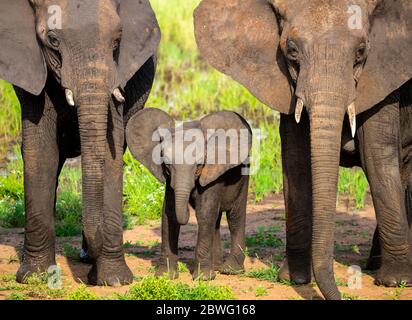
[(227, 134), (241, 39), (140, 37), (21, 59), (389, 63), (142, 136)]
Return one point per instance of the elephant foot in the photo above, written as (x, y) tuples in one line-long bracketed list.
[(106, 272), (203, 273), (233, 266), (299, 276), (168, 268), (34, 265), (394, 274), (373, 263)]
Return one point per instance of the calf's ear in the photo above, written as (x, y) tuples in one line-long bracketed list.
[(142, 136), (229, 140)]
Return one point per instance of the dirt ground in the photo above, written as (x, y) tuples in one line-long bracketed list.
[(354, 231)]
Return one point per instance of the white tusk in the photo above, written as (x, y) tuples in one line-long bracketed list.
[(69, 97), (118, 95), (352, 118), (298, 110)]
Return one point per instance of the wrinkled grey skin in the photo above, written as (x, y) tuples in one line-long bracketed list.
[(210, 189), (101, 46), (300, 52)]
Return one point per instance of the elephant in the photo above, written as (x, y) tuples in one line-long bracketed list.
[(80, 70), (338, 73), (211, 186)]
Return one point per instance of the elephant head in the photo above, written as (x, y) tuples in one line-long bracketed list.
[(190, 153), (91, 48), (331, 57)]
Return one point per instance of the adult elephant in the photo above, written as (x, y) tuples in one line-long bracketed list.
[(80, 70), (321, 60)]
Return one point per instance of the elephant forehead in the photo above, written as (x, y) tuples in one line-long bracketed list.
[(80, 13), (321, 15)]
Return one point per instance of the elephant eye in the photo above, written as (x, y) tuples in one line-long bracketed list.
[(53, 41), (361, 53), (292, 51), (116, 45)]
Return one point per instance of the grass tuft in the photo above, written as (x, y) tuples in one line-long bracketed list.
[(160, 288)]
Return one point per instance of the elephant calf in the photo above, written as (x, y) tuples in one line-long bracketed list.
[(197, 171)]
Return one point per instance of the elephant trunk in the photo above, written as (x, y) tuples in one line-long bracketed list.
[(93, 120), (326, 118), (182, 196), (326, 86)]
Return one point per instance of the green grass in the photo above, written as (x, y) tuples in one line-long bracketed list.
[(187, 88), (143, 194), (36, 288), (10, 118), (82, 293), (71, 252), (152, 288), (264, 238), (146, 288), (270, 274)]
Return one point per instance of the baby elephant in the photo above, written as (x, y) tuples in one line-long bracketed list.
[(205, 164)]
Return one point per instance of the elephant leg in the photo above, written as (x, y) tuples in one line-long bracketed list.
[(41, 166), (207, 212), (374, 261), (170, 238), (236, 217), (297, 182), (217, 246), (110, 267), (379, 144)]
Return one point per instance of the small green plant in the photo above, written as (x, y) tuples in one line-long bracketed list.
[(347, 296), (82, 293), (340, 282), (71, 252), (261, 291), (265, 237), (128, 244), (181, 267), (16, 296), (267, 274)]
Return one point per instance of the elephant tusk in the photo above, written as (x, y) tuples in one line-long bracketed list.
[(352, 118), (118, 95), (69, 97), (298, 110)]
